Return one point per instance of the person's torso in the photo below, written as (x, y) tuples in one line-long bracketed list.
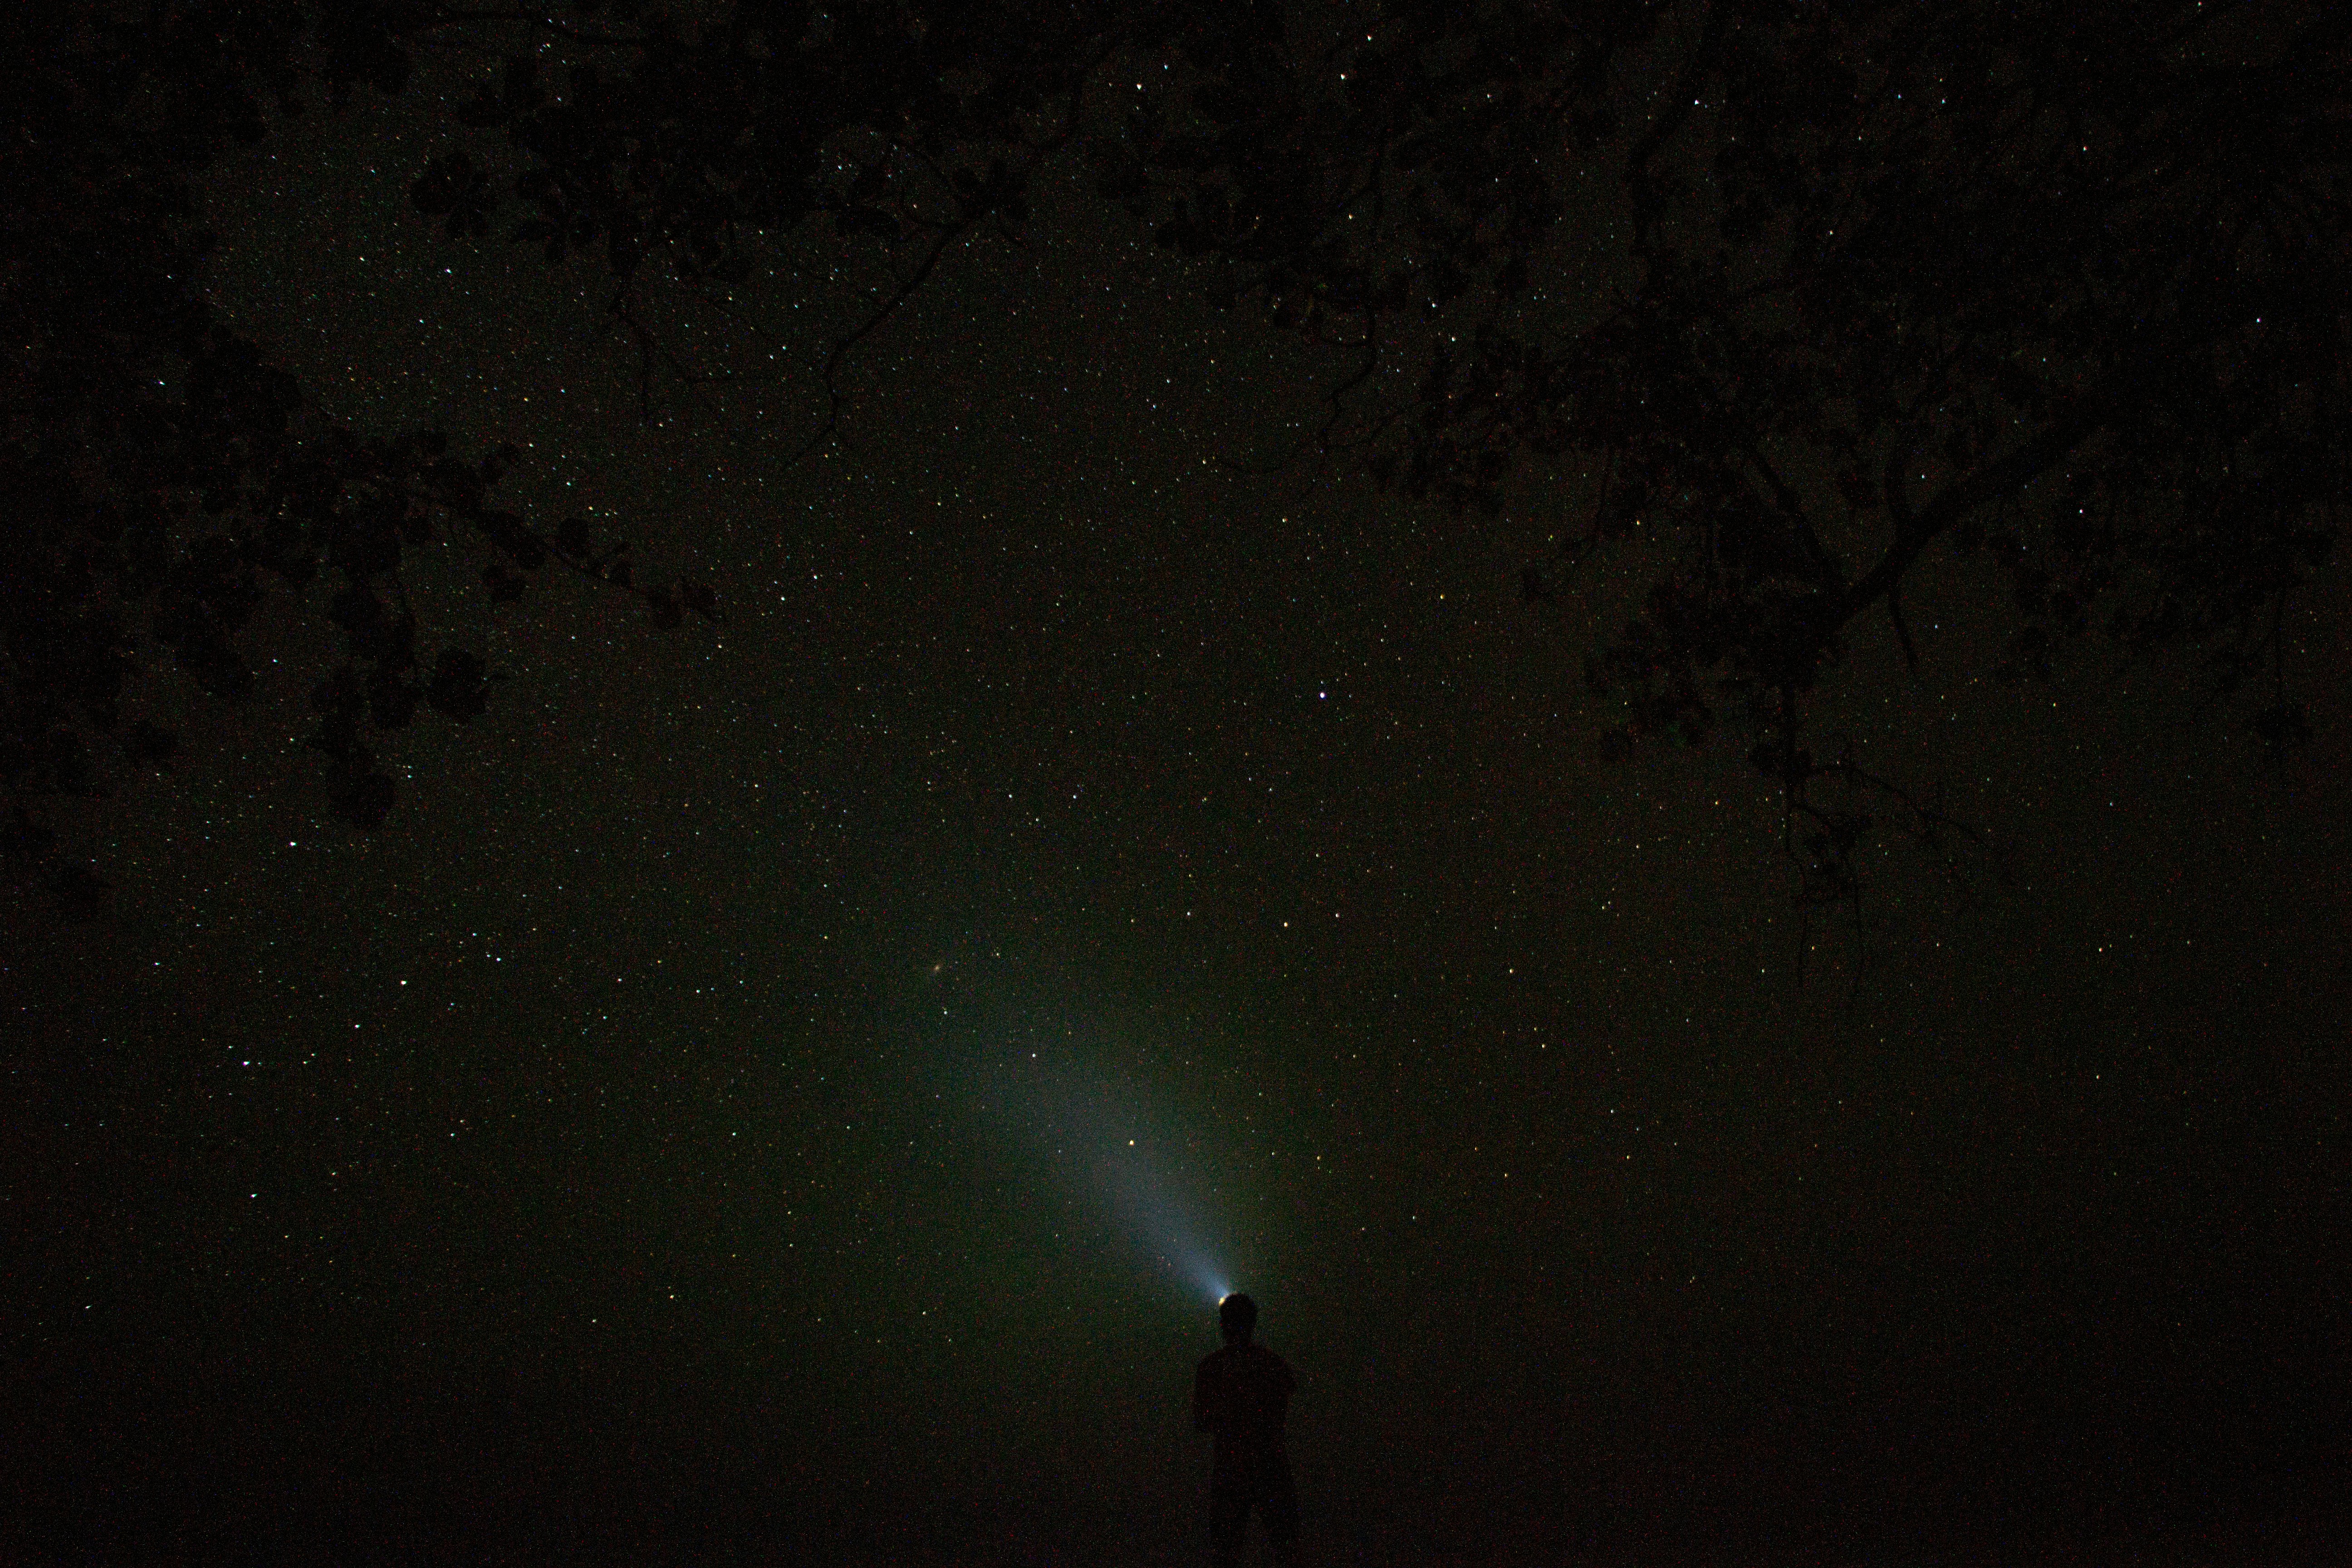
[(1247, 1388)]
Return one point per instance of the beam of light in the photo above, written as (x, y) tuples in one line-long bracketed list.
[(1145, 1198), (1155, 1217), (1102, 1128), (1103, 1135)]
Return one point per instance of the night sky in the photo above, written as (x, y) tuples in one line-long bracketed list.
[(794, 1088)]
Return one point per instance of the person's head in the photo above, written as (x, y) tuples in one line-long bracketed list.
[(1237, 1316)]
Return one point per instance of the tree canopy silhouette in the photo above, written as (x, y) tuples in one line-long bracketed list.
[(2056, 284), (2059, 285), (162, 480)]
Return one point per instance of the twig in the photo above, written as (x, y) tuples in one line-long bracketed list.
[(834, 402)]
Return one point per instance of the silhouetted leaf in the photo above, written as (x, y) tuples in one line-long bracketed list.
[(460, 685), (151, 744), (363, 798), (81, 893)]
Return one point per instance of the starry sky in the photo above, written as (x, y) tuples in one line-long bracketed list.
[(798, 1084)]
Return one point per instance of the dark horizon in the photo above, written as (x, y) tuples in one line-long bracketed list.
[(1921, 1342)]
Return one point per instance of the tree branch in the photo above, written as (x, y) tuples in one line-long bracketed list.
[(1792, 508), (881, 313), (1901, 628), (1914, 531), (443, 17)]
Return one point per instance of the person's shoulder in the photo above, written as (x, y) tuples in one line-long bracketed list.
[(1217, 1358), (1269, 1360)]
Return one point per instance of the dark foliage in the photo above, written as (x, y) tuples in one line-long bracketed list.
[(2055, 285), (2058, 285), (162, 480)]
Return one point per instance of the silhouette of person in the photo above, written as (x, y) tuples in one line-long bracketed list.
[(1241, 1394)]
